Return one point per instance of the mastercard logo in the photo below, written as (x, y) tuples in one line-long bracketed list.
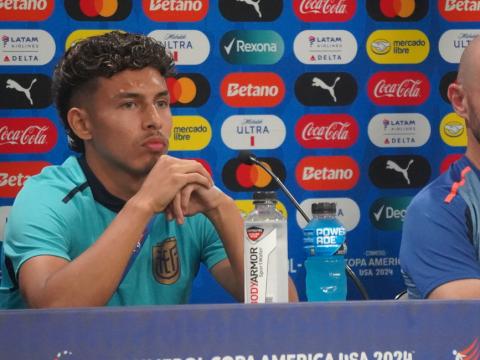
[(238, 176), (188, 90), (101, 10), (397, 10)]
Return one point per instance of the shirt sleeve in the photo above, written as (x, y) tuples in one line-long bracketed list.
[(212, 246)]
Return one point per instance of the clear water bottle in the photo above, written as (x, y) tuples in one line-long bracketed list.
[(265, 251), (324, 244)]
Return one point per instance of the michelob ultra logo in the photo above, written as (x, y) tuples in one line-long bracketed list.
[(398, 46), (247, 206), (31, 10), (175, 10), (453, 42), (98, 10), (190, 133), (14, 174), (453, 131), (83, 34), (324, 11), (459, 10), (263, 47), (388, 213)]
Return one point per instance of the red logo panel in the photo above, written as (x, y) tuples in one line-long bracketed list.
[(449, 160), (174, 10), (14, 174), (27, 135), (459, 10), (33, 10), (324, 10)]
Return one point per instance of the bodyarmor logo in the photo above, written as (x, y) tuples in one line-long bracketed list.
[(254, 233), (165, 262)]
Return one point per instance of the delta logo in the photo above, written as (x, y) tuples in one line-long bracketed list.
[(453, 131), (398, 88), (14, 174), (263, 89), (326, 131), (98, 10), (471, 352), (188, 90), (175, 10), (398, 46), (397, 10), (459, 10), (27, 135), (238, 176), (319, 173), (32, 10), (189, 133), (26, 47), (324, 10)]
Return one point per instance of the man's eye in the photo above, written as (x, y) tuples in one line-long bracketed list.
[(128, 105), (162, 103)]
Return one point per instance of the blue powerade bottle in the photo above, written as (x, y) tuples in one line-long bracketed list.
[(324, 244)]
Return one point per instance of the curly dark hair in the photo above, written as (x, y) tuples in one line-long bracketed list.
[(103, 56)]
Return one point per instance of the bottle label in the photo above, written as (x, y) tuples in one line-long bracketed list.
[(323, 240)]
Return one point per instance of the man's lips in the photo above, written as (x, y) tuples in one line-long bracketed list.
[(155, 144)]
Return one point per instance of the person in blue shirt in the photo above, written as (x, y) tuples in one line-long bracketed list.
[(440, 252), (124, 223)]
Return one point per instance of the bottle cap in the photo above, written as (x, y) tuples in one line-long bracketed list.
[(324, 208), (264, 195)]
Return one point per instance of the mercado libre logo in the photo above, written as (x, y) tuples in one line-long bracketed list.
[(188, 90), (33, 10), (98, 10), (190, 133), (238, 176), (470, 352), (174, 10), (397, 10)]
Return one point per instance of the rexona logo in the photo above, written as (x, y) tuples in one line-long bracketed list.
[(387, 213), (324, 10), (348, 211), (26, 10), (27, 135), (449, 160), (247, 206), (24, 91), (250, 10), (188, 90), (188, 47), (263, 89), (14, 174), (395, 10), (399, 171), (263, 47), (98, 10), (326, 131), (326, 89), (453, 131), (175, 10), (238, 176), (327, 173), (240, 132), (459, 10), (398, 88), (399, 130), (398, 46), (445, 82), (325, 47), (453, 42), (190, 133), (26, 47), (83, 34)]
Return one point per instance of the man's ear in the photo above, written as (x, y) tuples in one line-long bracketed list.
[(457, 96), (79, 122)]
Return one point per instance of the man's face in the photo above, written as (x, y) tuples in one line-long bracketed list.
[(130, 122)]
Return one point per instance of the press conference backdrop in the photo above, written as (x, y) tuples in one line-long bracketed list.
[(345, 100)]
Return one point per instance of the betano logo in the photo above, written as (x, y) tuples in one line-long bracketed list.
[(397, 10), (388, 213), (398, 46), (263, 89), (27, 135), (188, 89), (317, 173), (98, 10), (175, 10), (264, 47), (33, 10), (324, 11), (190, 133), (452, 130), (459, 10), (14, 174), (83, 34), (247, 206)]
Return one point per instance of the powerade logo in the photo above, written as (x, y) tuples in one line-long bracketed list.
[(387, 213), (263, 47), (326, 89), (399, 171), (394, 10), (32, 10), (250, 10), (188, 90), (24, 91), (98, 10)]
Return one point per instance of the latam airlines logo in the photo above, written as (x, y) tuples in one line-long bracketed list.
[(398, 88), (399, 130), (459, 10), (326, 89), (250, 10), (398, 46), (175, 10), (189, 133), (324, 10), (252, 89), (240, 132), (27, 135), (98, 10), (14, 174), (348, 211), (318, 173), (188, 47), (263, 47), (453, 42), (325, 47), (399, 171), (188, 90), (326, 131), (32, 10), (24, 91), (26, 47), (453, 131), (388, 213), (393, 10)]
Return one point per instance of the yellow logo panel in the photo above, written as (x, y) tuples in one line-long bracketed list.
[(453, 130), (398, 46), (190, 133), (83, 34), (246, 206)]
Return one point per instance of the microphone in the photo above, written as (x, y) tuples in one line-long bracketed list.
[(248, 158)]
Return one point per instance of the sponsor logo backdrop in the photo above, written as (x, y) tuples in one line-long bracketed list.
[(344, 99)]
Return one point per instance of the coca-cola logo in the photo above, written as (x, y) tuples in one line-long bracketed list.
[(398, 88), (324, 10), (27, 135), (326, 131)]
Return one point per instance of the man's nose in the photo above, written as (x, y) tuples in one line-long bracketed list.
[(154, 118)]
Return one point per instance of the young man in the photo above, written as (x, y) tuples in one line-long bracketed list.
[(123, 224), (440, 252)]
